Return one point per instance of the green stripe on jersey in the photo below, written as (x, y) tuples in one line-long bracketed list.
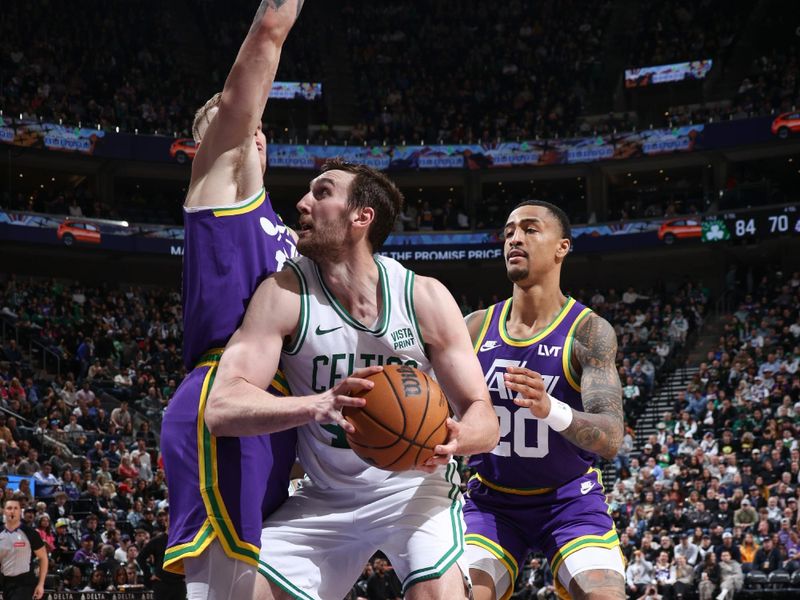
[(383, 323), (302, 327)]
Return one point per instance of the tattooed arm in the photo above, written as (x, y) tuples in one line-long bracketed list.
[(250, 79), (227, 145), (599, 428)]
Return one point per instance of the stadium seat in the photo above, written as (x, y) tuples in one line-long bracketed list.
[(755, 586), (755, 580), (778, 580), (51, 581), (81, 507), (794, 585)]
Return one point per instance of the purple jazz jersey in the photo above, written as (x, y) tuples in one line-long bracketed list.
[(536, 491), (530, 455), (228, 252)]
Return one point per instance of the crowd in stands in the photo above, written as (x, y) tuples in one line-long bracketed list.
[(713, 495), (682, 30), (98, 495), (773, 85), (532, 71), (497, 204), (770, 76), (426, 216), (91, 65), (78, 201), (470, 72), (225, 25), (136, 67)]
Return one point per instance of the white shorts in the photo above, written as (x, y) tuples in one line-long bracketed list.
[(315, 546), (215, 576)]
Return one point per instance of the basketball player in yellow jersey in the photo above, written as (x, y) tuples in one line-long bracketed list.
[(549, 365)]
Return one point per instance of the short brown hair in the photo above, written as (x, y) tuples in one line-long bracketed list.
[(373, 189), (18, 498), (202, 115)]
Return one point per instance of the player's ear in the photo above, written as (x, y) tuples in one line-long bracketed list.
[(364, 216), (563, 248)]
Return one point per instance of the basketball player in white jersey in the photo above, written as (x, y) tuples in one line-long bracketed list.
[(330, 318)]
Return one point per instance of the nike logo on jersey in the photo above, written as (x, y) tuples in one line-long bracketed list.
[(321, 331), (586, 487), (489, 345)]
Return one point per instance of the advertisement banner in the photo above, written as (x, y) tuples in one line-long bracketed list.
[(14, 481), (645, 76), (49, 136), (411, 246), (783, 220), (294, 90), (488, 156), (500, 155)]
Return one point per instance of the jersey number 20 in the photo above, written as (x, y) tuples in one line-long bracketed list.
[(518, 421)]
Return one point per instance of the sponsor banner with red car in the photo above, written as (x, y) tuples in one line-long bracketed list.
[(617, 146)]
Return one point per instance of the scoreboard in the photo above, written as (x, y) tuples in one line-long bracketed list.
[(752, 223)]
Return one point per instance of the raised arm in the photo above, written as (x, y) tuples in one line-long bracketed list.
[(457, 368), (238, 404), (237, 117)]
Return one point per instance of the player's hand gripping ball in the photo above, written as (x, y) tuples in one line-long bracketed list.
[(402, 422)]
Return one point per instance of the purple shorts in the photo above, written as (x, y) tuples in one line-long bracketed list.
[(555, 522), (218, 487)]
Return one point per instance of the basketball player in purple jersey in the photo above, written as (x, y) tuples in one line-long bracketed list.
[(549, 366), (233, 241)]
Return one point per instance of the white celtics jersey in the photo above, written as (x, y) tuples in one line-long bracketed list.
[(331, 344)]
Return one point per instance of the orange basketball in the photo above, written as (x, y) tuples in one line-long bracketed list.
[(402, 422)]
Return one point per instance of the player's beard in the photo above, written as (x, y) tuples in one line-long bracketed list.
[(325, 240), (517, 273)]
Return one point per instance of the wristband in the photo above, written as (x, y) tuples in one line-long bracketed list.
[(560, 416)]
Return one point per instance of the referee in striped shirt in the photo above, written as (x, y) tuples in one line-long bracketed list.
[(18, 544)]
